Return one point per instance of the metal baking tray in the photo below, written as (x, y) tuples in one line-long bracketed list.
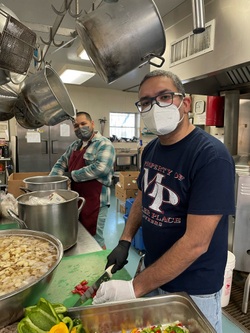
[(117, 316)]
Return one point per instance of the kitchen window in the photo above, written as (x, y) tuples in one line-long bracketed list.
[(124, 125)]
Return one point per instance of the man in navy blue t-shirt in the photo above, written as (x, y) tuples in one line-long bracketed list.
[(186, 192)]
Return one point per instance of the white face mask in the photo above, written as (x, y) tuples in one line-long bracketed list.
[(162, 120)]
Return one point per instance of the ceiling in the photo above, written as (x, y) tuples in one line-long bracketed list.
[(39, 16)]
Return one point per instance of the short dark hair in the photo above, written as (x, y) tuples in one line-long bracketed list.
[(83, 113), (159, 72)]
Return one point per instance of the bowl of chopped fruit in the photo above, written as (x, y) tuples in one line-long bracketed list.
[(28, 261)]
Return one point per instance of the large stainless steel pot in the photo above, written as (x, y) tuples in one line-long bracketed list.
[(42, 183), (120, 36), (47, 98), (8, 99), (23, 115), (12, 304), (58, 219)]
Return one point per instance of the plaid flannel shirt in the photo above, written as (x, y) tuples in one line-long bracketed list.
[(99, 159)]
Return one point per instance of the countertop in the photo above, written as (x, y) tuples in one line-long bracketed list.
[(126, 154), (85, 243)]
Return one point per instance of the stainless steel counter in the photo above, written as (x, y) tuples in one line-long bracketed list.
[(85, 243)]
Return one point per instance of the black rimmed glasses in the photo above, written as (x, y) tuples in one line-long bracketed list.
[(163, 100)]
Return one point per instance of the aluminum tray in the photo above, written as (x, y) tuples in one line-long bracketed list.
[(115, 316)]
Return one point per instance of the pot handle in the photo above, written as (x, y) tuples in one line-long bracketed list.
[(20, 222), (25, 189), (81, 205), (148, 58)]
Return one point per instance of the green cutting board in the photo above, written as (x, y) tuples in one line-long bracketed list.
[(71, 271)]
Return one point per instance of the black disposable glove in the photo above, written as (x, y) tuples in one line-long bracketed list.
[(68, 174), (118, 257)]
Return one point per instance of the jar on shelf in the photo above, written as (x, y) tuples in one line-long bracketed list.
[(2, 144), (2, 166), (5, 151)]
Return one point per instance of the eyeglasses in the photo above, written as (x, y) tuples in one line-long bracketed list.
[(163, 100)]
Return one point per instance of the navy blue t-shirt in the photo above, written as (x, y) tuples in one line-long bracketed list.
[(192, 176)]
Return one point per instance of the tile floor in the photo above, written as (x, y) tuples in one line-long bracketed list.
[(113, 229)]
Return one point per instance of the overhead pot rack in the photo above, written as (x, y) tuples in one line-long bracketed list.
[(65, 8)]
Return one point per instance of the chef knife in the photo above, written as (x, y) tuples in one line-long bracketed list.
[(89, 293)]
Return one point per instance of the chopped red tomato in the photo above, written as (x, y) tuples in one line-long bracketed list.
[(81, 288)]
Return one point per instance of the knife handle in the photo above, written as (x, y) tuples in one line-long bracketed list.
[(109, 269)]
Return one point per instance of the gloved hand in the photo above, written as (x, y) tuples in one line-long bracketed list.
[(68, 174), (118, 257), (114, 290)]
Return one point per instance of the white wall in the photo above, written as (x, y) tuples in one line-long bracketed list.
[(231, 44), (100, 102)]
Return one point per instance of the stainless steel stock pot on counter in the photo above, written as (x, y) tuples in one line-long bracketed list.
[(56, 218)]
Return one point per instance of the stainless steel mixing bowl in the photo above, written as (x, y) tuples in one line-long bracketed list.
[(12, 304)]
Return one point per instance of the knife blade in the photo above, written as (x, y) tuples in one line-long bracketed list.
[(92, 289)]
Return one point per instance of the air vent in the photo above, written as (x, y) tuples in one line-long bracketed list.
[(239, 75), (192, 45)]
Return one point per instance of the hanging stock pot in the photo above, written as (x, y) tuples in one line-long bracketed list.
[(47, 98), (123, 35), (8, 100)]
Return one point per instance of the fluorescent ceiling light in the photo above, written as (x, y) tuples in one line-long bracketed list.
[(83, 55), (73, 76)]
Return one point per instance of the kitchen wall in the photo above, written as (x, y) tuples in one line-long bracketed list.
[(98, 102), (231, 40), (230, 49)]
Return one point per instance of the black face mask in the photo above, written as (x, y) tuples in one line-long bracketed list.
[(84, 133)]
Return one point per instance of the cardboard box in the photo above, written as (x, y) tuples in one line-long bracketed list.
[(128, 179), (123, 194), (15, 181)]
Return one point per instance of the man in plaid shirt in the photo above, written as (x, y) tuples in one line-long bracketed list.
[(89, 163)]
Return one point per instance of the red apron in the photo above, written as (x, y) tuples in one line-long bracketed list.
[(89, 190)]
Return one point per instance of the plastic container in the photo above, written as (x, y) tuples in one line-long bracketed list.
[(228, 277), (5, 151), (137, 241), (128, 205)]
